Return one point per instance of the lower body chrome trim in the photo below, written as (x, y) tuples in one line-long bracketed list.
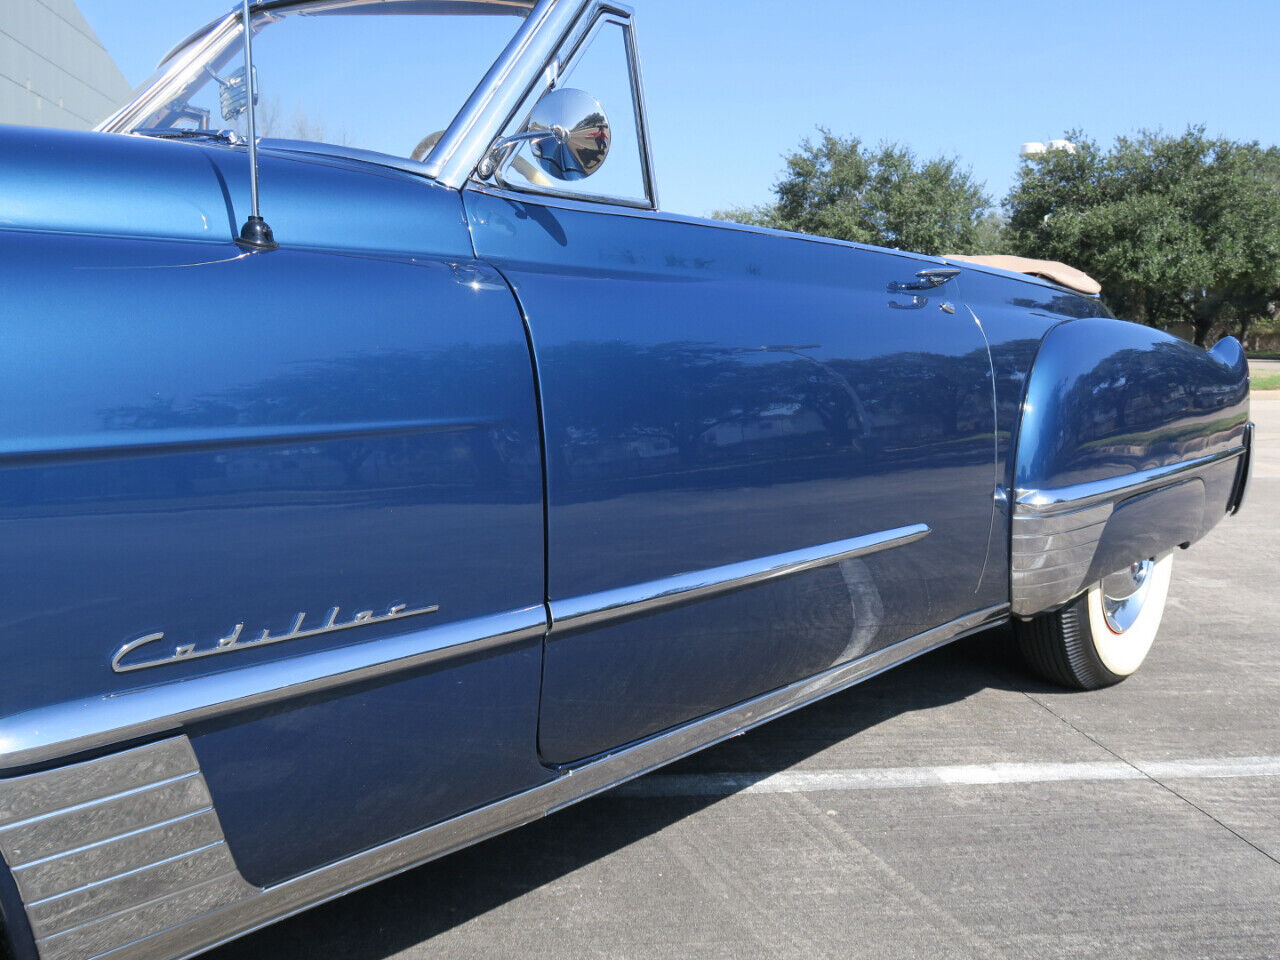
[(158, 913), (1241, 489), (634, 601), (107, 852), (62, 730), (1056, 533), (1064, 499)]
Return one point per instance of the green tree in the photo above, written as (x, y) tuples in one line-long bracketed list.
[(1175, 228), (836, 187)]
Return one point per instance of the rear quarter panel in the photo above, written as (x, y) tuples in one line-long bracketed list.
[(1108, 398)]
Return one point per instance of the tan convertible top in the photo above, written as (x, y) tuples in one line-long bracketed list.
[(1051, 270)]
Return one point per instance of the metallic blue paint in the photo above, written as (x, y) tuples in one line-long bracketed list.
[(193, 437), (498, 405), (1109, 398), (310, 782), (713, 395), (1016, 313), (129, 186)]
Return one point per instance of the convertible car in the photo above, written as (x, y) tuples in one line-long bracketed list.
[(375, 482)]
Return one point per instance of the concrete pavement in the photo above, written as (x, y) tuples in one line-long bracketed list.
[(952, 808), (1261, 368)]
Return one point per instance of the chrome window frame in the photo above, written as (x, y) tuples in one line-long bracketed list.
[(589, 29), (485, 114), (556, 34)]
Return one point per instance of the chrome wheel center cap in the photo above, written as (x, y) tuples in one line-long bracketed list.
[(1124, 593)]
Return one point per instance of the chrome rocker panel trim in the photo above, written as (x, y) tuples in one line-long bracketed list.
[(1055, 533), (156, 912)]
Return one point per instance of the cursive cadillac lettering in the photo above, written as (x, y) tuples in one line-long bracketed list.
[(236, 640)]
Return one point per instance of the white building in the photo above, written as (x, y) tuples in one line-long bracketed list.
[(54, 72)]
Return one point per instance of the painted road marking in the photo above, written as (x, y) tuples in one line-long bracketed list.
[(895, 778)]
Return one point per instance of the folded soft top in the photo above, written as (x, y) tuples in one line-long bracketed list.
[(1051, 270)]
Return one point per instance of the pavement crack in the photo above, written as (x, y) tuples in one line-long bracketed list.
[(820, 824), (1147, 776)]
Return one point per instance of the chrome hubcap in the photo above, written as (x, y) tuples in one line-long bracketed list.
[(1124, 593)]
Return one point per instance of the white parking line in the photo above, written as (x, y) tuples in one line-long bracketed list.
[(892, 778)]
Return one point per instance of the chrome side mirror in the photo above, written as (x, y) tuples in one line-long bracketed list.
[(568, 134), (233, 94)]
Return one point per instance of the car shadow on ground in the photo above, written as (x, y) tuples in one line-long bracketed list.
[(399, 913)]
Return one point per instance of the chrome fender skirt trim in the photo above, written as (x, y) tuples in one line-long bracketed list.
[(65, 729), (1056, 533), (1066, 499), (634, 601), (123, 857)]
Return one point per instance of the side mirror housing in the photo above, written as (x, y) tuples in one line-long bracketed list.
[(568, 134)]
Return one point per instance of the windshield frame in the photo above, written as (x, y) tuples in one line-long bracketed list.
[(182, 69)]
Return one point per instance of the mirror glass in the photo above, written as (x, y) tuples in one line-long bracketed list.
[(578, 137), (603, 68)]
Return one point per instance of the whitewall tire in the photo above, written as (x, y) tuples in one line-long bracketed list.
[(1105, 634)]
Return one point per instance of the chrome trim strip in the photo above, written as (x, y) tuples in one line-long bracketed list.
[(579, 40), (1245, 474), (487, 111), (1055, 533), (1062, 499), (645, 598), (61, 730), (179, 925)]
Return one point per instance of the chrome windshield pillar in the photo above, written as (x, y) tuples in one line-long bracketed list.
[(502, 90)]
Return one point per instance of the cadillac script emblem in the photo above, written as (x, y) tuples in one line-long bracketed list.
[(236, 640)]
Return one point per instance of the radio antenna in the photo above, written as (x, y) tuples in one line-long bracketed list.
[(255, 233)]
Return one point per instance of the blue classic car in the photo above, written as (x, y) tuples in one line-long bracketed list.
[(374, 483)]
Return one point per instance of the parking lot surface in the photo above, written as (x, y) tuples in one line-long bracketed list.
[(953, 807)]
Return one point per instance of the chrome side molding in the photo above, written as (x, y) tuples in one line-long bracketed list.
[(1066, 499), (64, 729), (1051, 555), (635, 601), (153, 879)]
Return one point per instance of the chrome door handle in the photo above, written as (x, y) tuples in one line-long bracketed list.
[(926, 280)]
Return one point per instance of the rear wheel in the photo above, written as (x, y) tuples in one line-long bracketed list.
[(1104, 635)]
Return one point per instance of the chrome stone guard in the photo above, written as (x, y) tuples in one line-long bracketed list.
[(1056, 533)]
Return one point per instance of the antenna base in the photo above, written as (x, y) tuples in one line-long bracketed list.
[(256, 235)]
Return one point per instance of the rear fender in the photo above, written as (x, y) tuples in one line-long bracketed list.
[(1131, 443)]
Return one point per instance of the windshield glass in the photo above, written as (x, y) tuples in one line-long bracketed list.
[(380, 75)]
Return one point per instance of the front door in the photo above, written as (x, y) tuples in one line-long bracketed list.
[(762, 459)]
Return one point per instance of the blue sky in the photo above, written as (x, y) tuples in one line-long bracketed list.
[(732, 86)]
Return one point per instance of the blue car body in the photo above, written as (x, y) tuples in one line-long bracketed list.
[(525, 496)]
